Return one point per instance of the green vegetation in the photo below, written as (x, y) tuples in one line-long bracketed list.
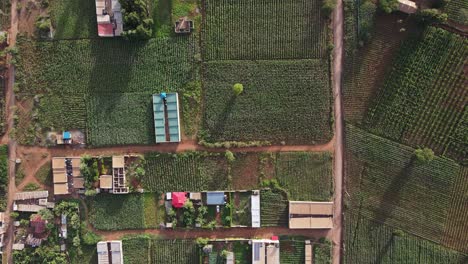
[(44, 174), (420, 103), (238, 88), (424, 155), (19, 174), (136, 19), (388, 6), (371, 242), (117, 212), (273, 208), (95, 81), (146, 249), (32, 186), (272, 107), (292, 250), (291, 30), (189, 171), (4, 179), (73, 19), (306, 176), (388, 184), (322, 252), (457, 10), (430, 16)]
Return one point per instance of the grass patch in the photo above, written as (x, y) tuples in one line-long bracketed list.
[(152, 212), (32, 186), (292, 250), (73, 19), (20, 174), (4, 178), (282, 101), (44, 174), (306, 176)]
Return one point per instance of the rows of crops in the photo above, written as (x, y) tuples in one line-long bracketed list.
[(117, 212), (116, 78), (424, 96), (3, 176), (292, 251), (5, 14), (457, 10), (273, 208), (282, 101), (456, 227), (390, 186), (306, 176), (147, 249), (365, 67), (266, 29), (371, 242), (73, 19), (322, 253), (190, 171)]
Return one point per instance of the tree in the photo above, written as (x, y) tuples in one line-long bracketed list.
[(238, 88), (91, 239), (430, 16), (75, 221), (24, 222), (388, 6), (424, 155), (90, 192), (76, 241), (230, 156), (14, 215), (328, 6)]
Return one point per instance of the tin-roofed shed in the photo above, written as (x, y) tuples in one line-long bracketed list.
[(215, 198), (166, 117)]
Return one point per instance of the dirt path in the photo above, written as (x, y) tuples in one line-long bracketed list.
[(10, 101), (30, 170), (188, 145), (338, 166), (265, 232)]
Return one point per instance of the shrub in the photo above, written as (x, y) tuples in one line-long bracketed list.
[(90, 192), (429, 16), (230, 156), (388, 6), (424, 155), (91, 238), (328, 6), (137, 24), (238, 88), (32, 186)]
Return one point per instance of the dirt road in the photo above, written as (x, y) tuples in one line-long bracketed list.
[(220, 233), (10, 101), (338, 167)]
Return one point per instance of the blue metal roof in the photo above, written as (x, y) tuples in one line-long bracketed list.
[(66, 135), (215, 198), (173, 122)]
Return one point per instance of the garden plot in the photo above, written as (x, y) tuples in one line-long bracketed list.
[(286, 101), (73, 19), (266, 29)]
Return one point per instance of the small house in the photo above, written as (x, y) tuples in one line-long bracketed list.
[(265, 251), (178, 199), (105, 182), (183, 25), (408, 7), (110, 252), (215, 198)]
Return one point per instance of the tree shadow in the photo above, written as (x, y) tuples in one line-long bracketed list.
[(219, 126), (384, 250), (393, 192)]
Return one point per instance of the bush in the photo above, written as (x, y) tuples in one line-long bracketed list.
[(430, 16), (91, 239), (238, 88), (388, 6), (424, 155), (137, 23), (32, 186), (328, 6), (230, 156), (90, 192)]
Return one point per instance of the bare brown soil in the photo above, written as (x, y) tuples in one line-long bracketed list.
[(28, 16)]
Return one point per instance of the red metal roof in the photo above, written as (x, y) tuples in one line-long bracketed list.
[(178, 199), (38, 224), (274, 238), (105, 30)]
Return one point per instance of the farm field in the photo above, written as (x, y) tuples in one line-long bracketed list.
[(117, 212), (273, 208), (306, 176), (422, 101), (73, 19), (365, 67), (292, 250), (371, 242), (388, 185), (148, 249), (296, 30), (188, 171), (286, 101), (115, 78), (4, 179), (457, 10)]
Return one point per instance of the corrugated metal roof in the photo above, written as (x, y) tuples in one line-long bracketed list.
[(173, 120), (310, 208), (215, 198), (255, 210), (31, 195)]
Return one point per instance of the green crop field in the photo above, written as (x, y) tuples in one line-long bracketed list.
[(365, 67), (306, 176), (273, 208), (282, 101), (117, 212), (148, 249), (322, 253), (292, 251), (73, 19), (371, 242), (457, 10), (3, 176), (423, 99), (115, 78), (265, 29), (388, 184), (189, 171)]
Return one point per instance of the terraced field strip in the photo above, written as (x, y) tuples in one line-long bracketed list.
[(295, 30)]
